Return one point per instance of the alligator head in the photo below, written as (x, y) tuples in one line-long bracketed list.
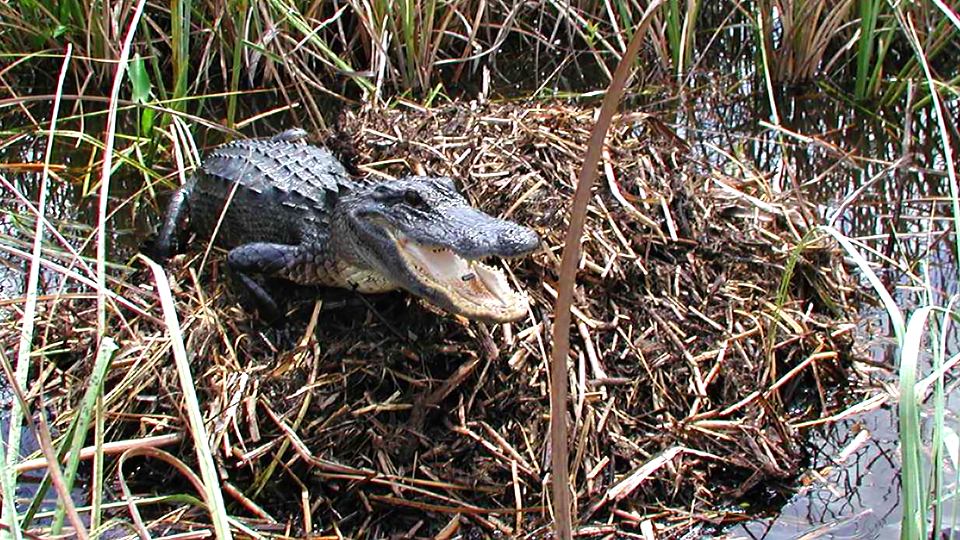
[(421, 234)]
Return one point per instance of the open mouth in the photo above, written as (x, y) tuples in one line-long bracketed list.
[(471, 288)]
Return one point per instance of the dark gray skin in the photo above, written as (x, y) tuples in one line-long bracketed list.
[(294, 212)]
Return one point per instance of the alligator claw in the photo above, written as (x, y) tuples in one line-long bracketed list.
[(266, 305)]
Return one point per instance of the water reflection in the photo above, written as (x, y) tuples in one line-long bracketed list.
[(901, 216), (858, 498), (71, 206)]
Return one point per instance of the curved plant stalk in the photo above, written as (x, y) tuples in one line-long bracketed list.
[(108, 168), (568, 273)]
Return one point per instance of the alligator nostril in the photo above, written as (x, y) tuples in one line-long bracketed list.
[(519, 240)]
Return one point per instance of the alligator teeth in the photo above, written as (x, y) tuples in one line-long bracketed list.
[(496, 283), (470, 287)]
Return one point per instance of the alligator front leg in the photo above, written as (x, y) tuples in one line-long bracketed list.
[(169, 238), (267, 259)]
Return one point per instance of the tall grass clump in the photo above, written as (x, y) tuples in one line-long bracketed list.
[(404, 40), (796, 36), (373, 49), (873, 44), (933, 41)]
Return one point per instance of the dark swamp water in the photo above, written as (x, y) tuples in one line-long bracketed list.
[(851, 489)]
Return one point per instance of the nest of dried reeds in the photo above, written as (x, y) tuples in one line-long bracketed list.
[(704, 340)]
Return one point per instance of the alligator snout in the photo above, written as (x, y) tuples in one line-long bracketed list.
[(474, 234), (516, 240)]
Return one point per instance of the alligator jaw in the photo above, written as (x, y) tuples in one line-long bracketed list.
[(464, 286)]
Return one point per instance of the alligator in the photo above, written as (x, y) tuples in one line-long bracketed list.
[(293, 211)]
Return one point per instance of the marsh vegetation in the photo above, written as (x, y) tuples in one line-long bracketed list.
[(773, 169)]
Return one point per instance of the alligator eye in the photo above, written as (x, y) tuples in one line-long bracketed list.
[(413, 198)]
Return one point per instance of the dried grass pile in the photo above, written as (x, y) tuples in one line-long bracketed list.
[(376, 417)]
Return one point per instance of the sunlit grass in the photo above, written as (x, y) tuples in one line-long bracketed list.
[(375, 48), (872, 47), (681, 29)]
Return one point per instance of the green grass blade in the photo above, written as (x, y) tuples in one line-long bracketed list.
[(240, 9), (911, 479), (869, 11), (180, 33), (889, 304), (96, 483), (952, 445), (426, 36), (82, 421), (40, 496), (939, 400), (41, 430), (208, 472), (8, 482), (674, 31), (762, 35), (687, 38), (408, 21)]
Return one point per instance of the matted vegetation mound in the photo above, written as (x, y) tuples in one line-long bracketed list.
[(694, 362)]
